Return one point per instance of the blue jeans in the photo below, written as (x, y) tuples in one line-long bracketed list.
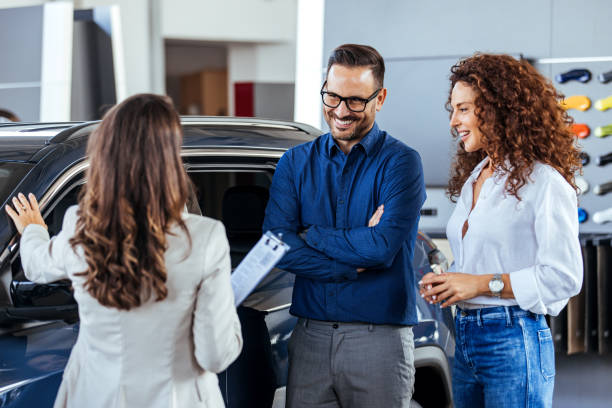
[(504, 357)]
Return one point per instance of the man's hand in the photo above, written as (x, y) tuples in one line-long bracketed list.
[(374, 222), (376, 216), (26, 212)]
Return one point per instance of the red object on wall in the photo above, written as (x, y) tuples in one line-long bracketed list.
[(581, 130), (244, 99)]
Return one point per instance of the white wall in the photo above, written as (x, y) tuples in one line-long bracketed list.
[(259, 34), (229, 20)]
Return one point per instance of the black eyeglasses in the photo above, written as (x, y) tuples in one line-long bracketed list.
[(353, 103)]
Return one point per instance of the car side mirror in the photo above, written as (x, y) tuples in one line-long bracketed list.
[(35, 301)]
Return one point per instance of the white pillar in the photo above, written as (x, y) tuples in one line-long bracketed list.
[(309, 62), (56, 74)]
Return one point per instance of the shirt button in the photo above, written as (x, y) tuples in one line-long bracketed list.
[(335, 325), (341, 201)]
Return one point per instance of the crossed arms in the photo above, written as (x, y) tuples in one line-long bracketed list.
[(335, 254)]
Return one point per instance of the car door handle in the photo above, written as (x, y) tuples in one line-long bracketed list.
[(605, 77), (586, 159), (581, 130), (604, 159), (603, 131), (602, 189), (601, 217), (604, 104), (582, 184), (581, 75), (578, 102), (582, 215)]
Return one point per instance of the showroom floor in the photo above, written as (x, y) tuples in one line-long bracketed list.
[(583, 380)]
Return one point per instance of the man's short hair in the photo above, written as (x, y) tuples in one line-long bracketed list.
[(357, 55)]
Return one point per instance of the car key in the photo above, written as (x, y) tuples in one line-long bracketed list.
[(603, 131), (604, 104), (602, 189), (605, 77), (581, 130), (578, 102), (581, 75)]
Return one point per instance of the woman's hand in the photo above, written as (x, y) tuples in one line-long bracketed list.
[(26, 212), (452, 287), (424, 287)]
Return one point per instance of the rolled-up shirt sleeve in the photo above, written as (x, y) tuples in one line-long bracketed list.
[(556, 276)]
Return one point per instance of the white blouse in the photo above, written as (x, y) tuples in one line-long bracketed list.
[(534, 240), (160, 354)]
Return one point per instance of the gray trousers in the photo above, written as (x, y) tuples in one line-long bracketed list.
[(350, 365)]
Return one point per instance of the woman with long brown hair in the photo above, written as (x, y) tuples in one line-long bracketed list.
[(156, 308), (513, 232)]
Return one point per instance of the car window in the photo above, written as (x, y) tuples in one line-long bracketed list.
[(237, 198), (54, 218), (11, 174)]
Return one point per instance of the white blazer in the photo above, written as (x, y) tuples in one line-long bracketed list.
[(161, 354)]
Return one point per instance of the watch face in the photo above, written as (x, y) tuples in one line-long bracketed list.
[(496, 285)]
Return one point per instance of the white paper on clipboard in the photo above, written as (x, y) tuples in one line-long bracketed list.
[(256, 265)]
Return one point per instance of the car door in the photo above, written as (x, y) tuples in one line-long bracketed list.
[(39, 322), (234, 190)]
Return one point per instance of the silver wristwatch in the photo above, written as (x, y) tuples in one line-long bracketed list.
[(496, 285)]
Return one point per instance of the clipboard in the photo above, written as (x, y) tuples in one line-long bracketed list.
[(256, 265)]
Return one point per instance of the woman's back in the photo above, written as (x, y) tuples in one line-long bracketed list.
[(159, 354)]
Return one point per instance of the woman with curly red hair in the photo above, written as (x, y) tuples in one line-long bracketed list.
[(156, 307), (513, 233)]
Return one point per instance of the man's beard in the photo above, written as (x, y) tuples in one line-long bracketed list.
[(351, 136), (355, 134)]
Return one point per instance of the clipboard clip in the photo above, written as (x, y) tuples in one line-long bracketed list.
[(276, 240)]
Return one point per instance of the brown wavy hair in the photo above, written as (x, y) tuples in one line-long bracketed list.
[(520, 119), (135, 192)]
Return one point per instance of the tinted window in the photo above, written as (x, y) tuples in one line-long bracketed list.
[(11, 174), (238, 198)]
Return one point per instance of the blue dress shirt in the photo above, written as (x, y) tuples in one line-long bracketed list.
[(331, 196)]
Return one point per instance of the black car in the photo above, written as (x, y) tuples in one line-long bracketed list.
[(231, 162)]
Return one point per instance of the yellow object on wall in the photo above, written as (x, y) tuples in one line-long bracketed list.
[(579, 102), (604, 104)]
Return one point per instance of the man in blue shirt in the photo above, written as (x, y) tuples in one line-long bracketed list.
[(348, 204)]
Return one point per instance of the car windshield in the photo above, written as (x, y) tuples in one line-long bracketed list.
[(11, 174)]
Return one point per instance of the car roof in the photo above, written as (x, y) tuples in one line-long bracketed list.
[(21, 141)]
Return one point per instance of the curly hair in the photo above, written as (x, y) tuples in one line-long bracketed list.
[(135, 192), (520, 120)]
